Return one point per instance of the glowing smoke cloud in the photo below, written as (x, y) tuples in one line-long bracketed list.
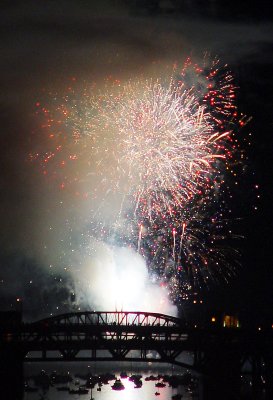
[(114, 278)]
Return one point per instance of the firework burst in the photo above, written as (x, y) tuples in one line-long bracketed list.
[(166, 145), (155, 153)]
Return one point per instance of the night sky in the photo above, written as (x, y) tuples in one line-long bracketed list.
[(46, 46)]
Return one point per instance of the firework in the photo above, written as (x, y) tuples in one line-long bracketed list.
[(166, 145), (192, 249), (154, 153)]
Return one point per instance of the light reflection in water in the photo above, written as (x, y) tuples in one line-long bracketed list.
[(146, 392)]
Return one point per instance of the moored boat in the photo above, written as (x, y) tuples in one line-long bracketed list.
[(160, 384), (118, 385), (138, 383)]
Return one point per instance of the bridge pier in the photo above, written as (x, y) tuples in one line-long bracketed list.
[(11, 373), (11, 356), (221, 374)]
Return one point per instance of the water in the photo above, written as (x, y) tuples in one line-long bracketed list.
[(147, 391)]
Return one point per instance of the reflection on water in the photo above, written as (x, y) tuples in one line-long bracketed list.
[(76, 371)]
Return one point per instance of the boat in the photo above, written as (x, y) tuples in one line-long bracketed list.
[(150, 378), (138, 384), (135, 377), (160, 384), (157, 393), (118, 385)]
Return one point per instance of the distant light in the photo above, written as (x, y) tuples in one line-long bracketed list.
[(18, 299), (213, 319), (259, 329), (194, 301)]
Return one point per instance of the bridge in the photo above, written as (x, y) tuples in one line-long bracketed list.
[(102, 336), (219, 354)]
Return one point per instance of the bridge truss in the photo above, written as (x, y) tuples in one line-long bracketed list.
[(105, 336), (134, 336)]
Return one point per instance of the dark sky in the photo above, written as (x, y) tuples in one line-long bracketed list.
[(44, 45)]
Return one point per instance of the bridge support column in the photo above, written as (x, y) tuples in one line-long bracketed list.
[(11, 373), (222, 374)]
